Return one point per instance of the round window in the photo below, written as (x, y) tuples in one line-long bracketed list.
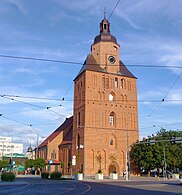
[(112, 59)]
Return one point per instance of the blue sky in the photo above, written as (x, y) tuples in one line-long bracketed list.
[(148, 31)]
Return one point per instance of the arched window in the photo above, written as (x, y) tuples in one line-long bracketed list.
[(116, 82), (112, 96), (111, 142), (123, 84), (112, 119)]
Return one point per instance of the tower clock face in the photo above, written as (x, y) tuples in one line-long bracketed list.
[(112, 59)]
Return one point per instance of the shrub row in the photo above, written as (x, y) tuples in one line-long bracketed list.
[(8, 176), (53, 175)]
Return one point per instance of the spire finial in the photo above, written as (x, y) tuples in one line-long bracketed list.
[(104, 13)]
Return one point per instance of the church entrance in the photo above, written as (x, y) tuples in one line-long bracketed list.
[(114, 168)]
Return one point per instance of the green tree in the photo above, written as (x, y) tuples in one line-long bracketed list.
[(151, 157), (29, 163), (39, 163), (3, 163)]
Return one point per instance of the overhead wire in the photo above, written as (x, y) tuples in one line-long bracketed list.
[(30, 104), (95, 100), (79, 63), (167, 93), (23, 123), (113, 9)]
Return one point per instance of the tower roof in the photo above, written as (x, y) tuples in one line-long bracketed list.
[(105, 34), (91, 64)]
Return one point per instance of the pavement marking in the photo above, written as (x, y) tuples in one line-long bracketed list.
[(89, 188), (69, 189)]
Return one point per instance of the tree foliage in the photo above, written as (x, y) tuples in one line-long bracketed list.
[(151, 157), (3, 163), (37, 163), (29, 163)]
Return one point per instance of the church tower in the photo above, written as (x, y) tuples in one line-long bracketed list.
[(105, 120)]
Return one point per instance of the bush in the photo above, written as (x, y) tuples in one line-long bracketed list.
[(44, 175), (99, 171), (56, 175), (8, 176)]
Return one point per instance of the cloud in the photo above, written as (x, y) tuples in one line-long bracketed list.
[(172, 56), (18, 4)]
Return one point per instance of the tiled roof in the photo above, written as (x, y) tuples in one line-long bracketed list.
[(53, 135), (67, 137), (91, 64), (124, 71)]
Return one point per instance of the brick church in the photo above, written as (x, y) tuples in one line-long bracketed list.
[(105, 115)]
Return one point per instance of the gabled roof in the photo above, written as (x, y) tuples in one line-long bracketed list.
[(53, 135), (124, 71), (91, 64), (67, 136)]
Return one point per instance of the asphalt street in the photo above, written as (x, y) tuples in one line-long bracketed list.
[(37, 186)]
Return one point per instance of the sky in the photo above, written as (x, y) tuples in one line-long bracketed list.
[(149, 33)]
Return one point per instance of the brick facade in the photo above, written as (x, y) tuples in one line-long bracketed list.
[(105, 115), (105, 108)]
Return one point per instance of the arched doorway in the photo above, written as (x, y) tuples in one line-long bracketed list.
[(114, 168)]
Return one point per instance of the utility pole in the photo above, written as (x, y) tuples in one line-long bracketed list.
[(164, 171), (127, 155)]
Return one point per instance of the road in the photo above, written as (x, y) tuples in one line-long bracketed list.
[(37, 186)]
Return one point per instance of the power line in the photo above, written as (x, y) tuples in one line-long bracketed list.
[(113, 10), (79, 63), (41, 107), (167, 93), (72, 100), (28, 125), (163, 125)]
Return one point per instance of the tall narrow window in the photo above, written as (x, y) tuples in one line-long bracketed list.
[(112, 119), (112, 96), (116, 82), (78, 141), (79, 120), (111, 142), (121, 84)]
